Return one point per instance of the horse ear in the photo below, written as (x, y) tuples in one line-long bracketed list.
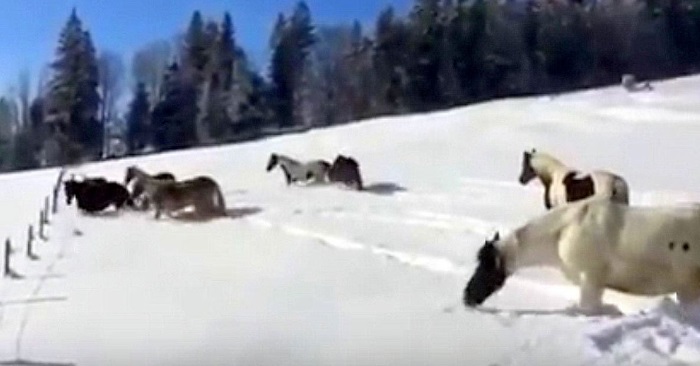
[(497, 236), (533, 151)]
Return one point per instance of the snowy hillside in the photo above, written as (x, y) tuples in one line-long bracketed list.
[(327, 276)]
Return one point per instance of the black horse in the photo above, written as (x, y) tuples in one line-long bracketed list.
[(96, 194), (346, 170)]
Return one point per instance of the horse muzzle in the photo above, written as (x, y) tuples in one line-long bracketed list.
[(482, 285)]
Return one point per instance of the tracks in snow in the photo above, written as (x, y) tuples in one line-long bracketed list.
[(417, 213)]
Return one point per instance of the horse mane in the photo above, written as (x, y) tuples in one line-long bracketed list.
[(286, 160), (543, 162)]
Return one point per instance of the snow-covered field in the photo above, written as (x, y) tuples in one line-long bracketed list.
[(328, 276)]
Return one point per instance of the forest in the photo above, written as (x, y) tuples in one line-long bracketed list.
[(201, 89)]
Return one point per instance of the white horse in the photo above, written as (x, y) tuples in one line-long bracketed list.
[(296, 171), (564, 184), (599, 244)]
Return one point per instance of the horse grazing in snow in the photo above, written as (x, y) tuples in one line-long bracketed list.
[(296, 171), (96, 194), (563, 184), (599, 244)]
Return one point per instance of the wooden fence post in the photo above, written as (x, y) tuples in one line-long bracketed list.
[(41, 225), (56, 190), (46, 210), (30, 243)]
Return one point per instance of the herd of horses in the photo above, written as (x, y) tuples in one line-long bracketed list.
[(202, 193), (588, 229)]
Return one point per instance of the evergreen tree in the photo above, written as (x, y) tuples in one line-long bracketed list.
[(73, 99), (174, 118), (301, 32), (226, 53), (390, 60), (138, 119), (195, 48), (425, 55), (197, 66), (291, 41), (281, 74)]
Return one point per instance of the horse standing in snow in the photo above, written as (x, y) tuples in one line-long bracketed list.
[(202, 193), (599, 244), (141, 179), (94, 195), (346, 170), (296, 171), (563, 184)]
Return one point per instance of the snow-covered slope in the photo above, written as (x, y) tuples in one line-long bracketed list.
[(328, 276)]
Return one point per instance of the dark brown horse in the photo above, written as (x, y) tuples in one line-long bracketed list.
[(94, 195), (346, 170)]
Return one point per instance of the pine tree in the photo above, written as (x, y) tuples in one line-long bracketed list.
[(138, 119), (73, 99), (467, 34), (425, 55), (197, 66), (301, 31), (390, 60), (222, 104), (195, 48), (281, 75), (174, 118), (226, 53)]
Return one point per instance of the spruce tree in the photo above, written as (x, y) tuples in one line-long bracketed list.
[(281, 74), (73, 99), (390, 60)]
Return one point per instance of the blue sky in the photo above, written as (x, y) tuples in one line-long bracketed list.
[(29, 29)]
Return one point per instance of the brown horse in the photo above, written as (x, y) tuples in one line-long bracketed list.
[(202, 192), (346, 170), (141, 179)]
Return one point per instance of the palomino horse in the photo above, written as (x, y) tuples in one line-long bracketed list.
[(599, 244), (564, 184), (141, 179), (296, 171)]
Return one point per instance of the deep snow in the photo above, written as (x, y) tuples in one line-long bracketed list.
[(324, 275)]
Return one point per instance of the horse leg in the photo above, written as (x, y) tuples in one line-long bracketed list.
[(591, 292), (547, 200)]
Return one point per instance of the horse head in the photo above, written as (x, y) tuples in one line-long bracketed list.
[(69, 189), (490, 274), (527, 172), (272, 162), (130, 174)]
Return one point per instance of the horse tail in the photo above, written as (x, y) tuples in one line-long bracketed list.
[(220, 201), (620, 191)]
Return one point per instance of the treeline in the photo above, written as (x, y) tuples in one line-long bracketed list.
[(201, 89)]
